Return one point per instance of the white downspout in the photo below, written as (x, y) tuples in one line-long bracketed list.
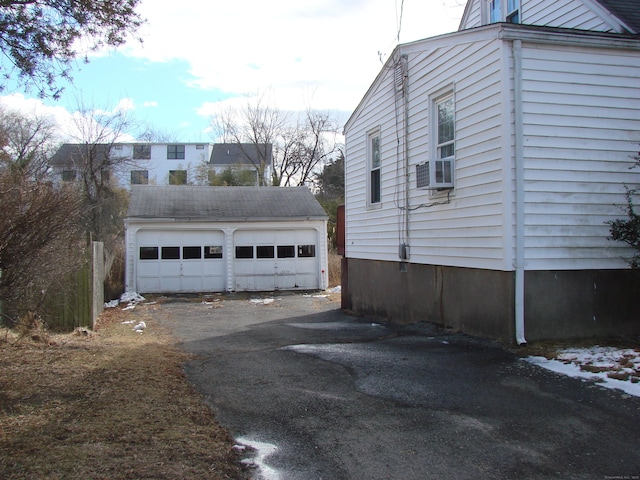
[(519, 172)]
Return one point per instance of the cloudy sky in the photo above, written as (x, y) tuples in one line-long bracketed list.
[(199, 55)]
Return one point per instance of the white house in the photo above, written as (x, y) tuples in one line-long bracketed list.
[(160, 163), (482, 166), (215, 239)]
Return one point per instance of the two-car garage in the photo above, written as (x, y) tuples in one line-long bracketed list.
[(213, 239)]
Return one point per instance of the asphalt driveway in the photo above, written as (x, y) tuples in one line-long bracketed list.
[(324, 395)]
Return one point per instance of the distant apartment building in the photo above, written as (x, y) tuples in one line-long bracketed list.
[(159, 163)]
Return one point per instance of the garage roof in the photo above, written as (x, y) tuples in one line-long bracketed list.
[(223, 203)]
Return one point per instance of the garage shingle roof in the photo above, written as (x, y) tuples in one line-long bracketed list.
[(223, 203)]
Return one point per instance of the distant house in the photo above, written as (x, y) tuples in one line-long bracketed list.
[(160, 163), (216, 239), (481, 169), (243, 156)]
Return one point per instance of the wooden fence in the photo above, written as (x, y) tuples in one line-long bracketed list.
[(79, 299)]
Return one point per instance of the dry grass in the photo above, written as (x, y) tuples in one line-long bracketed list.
[(335, 269), (106, 405)]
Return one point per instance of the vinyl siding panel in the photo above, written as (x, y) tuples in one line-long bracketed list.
[(557, 13), (467, 231), (581, 121)]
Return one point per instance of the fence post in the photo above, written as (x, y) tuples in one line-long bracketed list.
[(97, 273)]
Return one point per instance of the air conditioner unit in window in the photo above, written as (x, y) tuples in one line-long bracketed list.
[(435, 174)]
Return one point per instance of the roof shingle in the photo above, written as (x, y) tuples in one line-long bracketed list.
[(223, 203)]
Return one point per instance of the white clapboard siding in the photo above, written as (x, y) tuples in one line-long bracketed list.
[(467, 231), (581, 125), (556, 13)]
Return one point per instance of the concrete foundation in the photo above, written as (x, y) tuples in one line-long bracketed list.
[(558, 305)]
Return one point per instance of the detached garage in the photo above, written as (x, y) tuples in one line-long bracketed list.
[(183, 239)]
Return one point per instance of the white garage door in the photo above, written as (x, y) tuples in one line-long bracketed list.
[(180, 261), (272, 260)]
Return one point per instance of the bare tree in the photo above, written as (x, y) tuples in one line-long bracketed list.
[(300, 144), (28, 142), (39, 223), (97, 130)]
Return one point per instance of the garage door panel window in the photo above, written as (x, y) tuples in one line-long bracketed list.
[(306, 251), (244, 252), (189, 253), (214, 251), (170, 253), (148, 253), (265, 251), (286, 251)]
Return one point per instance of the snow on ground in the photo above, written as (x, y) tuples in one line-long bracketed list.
[(609, 367), (262, 451)]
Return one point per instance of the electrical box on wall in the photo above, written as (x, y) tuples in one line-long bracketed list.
[(403, 251)]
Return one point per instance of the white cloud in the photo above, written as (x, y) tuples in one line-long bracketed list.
[(150, 104), (329, 47)]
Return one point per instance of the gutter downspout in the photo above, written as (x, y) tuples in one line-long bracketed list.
[(519, 173), (405, 59)]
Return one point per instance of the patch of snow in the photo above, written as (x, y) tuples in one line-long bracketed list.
[(337, 289), (610, 367), (263, 450), (131, 297), (139, 328), (112, 304), (128, 322), (262, 301)]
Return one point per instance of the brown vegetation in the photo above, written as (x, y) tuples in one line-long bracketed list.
[(111, 404)]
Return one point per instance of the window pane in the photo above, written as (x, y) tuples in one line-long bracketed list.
[(139, 177), (375, 152), (148, 253), (445, 121), (170, 253), (443, 171), (306, 250), (175, 152), (494, 11), (375, 186), (446, 151), (213, 251), (244, 252), (191, 252), (286, 251), (142, 152), (264, 251), (177, 177)]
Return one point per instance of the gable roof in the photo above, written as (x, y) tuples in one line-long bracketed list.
[(241, 153), (76, 154), (628, 11), (182, 202)]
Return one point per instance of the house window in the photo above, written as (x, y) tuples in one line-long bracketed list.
[(177, 177), (214, 251), (286, 251), (189, 253), (175, 152), (139, 177), (142, 152), (264, 251), (513, 11), (306, 251), (374, 168), (244, 252), (170, 253), (495, 12), (68, 175), (199, 147), (503, 11), (441, 168), (148, 253)]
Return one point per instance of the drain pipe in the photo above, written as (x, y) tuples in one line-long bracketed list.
[(519, 172)]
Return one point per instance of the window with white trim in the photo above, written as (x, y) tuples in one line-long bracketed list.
[(502, 11), (442, 165), (374, 163)]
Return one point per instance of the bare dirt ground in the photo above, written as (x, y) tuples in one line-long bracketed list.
[(109, 404)]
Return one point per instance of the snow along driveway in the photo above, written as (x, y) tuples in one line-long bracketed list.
[(322, 395)]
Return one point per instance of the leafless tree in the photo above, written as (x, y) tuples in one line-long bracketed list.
[(40, 236), (301, 143)]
